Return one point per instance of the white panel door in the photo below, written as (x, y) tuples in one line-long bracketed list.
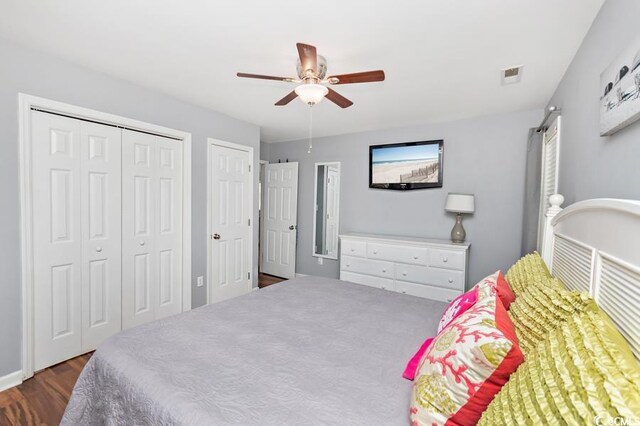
[(280, 219), (139, 207), (101, 242), (151, 227), (231, 239), (168, 241), (57, 241)]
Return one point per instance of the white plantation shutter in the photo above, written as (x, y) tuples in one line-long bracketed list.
[(549, 181)]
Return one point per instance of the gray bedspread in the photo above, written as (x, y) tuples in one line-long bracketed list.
[(309, 351)]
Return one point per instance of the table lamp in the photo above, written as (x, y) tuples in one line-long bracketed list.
[(459, 204)]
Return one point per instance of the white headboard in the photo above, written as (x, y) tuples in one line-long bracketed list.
[(594, 246)]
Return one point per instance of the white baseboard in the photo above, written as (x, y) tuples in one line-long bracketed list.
[(301, 275), (10, 380)]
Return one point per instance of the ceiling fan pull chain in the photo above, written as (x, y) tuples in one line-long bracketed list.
[(310, 128)]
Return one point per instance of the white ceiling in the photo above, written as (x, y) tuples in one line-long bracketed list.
[(442, 58)]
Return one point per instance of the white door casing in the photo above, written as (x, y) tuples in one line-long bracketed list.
[(230, 197), (331, 203), (280, 218), (101, 233), (57, 244)]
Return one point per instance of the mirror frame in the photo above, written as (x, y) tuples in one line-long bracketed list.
[(315, 197)]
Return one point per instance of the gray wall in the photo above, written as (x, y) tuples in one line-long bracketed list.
[(483, 156), (592, 166), (27, 71)]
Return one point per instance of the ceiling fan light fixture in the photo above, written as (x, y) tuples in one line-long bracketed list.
[(312, 93)]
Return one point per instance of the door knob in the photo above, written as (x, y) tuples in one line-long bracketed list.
[(291, 227), (216, 236)]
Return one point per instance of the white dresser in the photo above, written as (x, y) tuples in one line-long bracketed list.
[(433, 269)]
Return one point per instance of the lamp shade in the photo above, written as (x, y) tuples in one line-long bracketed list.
[(311, 93), (460, 203)]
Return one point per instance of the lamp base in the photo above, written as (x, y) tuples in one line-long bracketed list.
[(458, 233)]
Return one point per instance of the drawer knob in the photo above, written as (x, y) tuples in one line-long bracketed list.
[(404, 291), (404, 274), (384, 269), (450, 280), (348, 264), (445, 260), (98, 249), (415, 257), (384, 287), (353, 249), (375, 252)]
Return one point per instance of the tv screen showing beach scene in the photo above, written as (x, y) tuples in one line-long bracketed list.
[(406, 166)]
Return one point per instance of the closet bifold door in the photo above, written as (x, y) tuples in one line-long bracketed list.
[(151, 227), (76, 238), (101, 233)]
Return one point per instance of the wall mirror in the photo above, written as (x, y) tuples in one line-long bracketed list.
[(327, 210)]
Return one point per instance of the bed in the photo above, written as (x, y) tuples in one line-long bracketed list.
[(317, 351), (310, 351)]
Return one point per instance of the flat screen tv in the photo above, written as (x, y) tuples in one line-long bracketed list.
[(404, 166)]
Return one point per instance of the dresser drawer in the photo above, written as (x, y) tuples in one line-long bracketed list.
[(396, 253), (368, 280), (367, 267), (437, 277), (427, 291), (447, 278), (446, 259), (354, 248)]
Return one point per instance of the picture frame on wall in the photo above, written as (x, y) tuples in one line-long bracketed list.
[(620, 91)]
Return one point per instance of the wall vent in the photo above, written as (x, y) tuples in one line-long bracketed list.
[(511, 75)]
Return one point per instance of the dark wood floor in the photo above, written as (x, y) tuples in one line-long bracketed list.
[(265, 280), (41, 400)]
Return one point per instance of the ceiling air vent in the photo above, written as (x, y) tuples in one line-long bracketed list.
[(511, 75)]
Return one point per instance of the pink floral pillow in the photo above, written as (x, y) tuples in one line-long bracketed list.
[(465, 366), (412, 365), (457, 307)]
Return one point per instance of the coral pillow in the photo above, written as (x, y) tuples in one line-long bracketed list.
[(466, 365), (412, 365), (504, 291), (457, 307)]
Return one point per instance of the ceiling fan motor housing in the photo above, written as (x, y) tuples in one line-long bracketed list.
[(322, 69)]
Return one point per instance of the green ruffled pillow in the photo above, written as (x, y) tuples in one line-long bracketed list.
[(529, 271), (582, 370), (541, 309)]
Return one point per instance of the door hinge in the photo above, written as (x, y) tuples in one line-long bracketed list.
[(248, 222), (248, 275), (249, 168)]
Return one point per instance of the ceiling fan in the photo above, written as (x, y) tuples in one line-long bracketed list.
[(312, 71)]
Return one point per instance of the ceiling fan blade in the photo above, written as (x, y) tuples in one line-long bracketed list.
[(358, 77), (308, 57), (338, 99), (291, 96), (263, 77)]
